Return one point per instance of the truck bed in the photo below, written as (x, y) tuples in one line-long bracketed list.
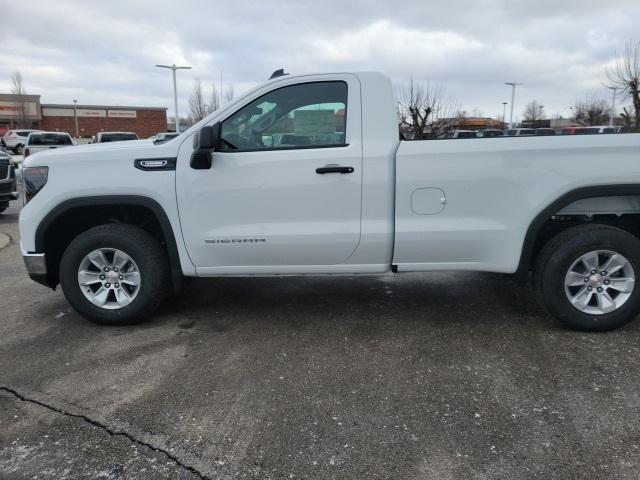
[(466, 204)]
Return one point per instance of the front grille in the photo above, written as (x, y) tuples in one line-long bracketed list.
[(4, 168)]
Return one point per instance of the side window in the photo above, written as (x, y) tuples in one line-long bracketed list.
[(306, 115)]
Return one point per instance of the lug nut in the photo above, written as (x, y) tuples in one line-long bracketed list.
[(106, 269), (101, 277), (586, 279), (589, 288), (107, 284), (603, 273), (599, 289), (115, 269), (121, 277), (117, 285), (607, 282), (593, 272)]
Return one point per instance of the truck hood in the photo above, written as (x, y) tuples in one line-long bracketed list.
[(103, 151)]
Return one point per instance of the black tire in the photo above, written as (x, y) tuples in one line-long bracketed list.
[(559, 254), (145, 251)]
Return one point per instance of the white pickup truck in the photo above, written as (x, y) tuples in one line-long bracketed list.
[(306, 175)]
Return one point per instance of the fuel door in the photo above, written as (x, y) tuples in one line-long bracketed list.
[(428, 201)]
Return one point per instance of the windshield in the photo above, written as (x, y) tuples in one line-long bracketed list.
[(117, 137), (49, 139)]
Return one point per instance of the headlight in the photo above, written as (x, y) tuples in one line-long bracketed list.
[(34, 178)]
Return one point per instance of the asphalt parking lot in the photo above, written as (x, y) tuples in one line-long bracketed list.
[(436, 376)]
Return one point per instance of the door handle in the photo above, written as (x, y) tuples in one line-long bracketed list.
[(334, 169), (155, 163)]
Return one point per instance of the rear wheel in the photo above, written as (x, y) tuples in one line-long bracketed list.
[(586, 277), (114, 274)]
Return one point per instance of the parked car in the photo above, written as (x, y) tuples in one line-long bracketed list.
[(39, 141), (606, 130), (587, 130), (489, 132), (164, 137), (519, 132), (15, 140), (119, 228), (545, 131), (463, 134), (104, 137), (8, 183)]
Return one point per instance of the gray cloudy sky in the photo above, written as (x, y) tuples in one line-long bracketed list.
[(104, 52)]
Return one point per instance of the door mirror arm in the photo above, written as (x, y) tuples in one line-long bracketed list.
[(204, 144)]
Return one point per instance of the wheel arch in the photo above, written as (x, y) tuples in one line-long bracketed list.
[(531, 240), (106, 204)]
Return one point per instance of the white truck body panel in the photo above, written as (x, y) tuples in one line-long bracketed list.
[(494, 188), (420, 205), (272, 205), (100, 170)]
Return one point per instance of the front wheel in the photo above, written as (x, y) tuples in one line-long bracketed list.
[(586, 277), (114, 274)]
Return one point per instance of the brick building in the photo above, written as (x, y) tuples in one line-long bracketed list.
[(11, 112), (145, 121)]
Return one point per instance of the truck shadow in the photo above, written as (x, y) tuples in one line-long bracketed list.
[(461, 297)]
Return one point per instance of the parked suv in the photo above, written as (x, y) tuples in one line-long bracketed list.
[(38, 141), (104, 137), (519, 132), (15, 140), (8, 184)]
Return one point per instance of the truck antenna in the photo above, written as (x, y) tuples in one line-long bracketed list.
[(278, 73)]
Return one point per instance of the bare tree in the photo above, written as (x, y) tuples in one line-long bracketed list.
[(533, 112), (229, 94), (591, 111), (627, 118), (625, 77), (460, 117), (423, 109), (214, 103), (197, 107), (22, 106)]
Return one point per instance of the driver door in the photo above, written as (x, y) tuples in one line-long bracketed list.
[(283, 194)]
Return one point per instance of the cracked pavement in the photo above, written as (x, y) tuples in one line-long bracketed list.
[(46, 443), (435, 376)]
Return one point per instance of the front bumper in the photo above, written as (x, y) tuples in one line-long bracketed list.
[(7, 197), (36, 265), (9, 188)]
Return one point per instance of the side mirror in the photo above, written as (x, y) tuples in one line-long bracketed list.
[(204, 143)]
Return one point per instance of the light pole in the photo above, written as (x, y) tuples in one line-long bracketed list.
[(75, 115), (504, 112), (173, 68), (540, 114), (613, 105), (513, 98)]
